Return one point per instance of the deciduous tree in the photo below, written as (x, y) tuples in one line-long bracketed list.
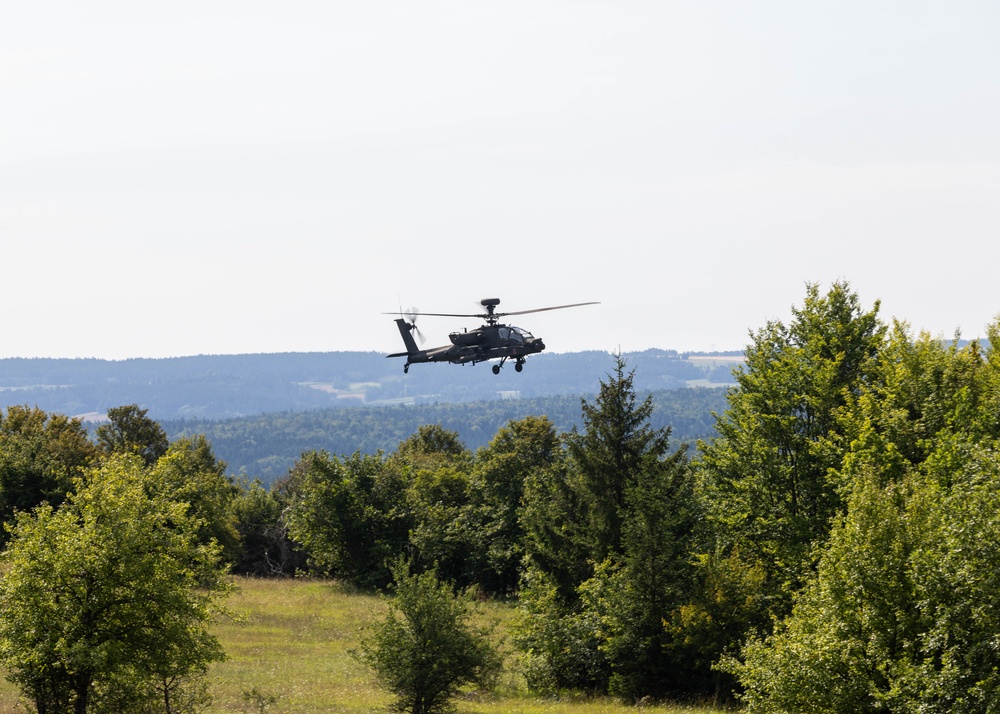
[(904, 610), (769, 481), (189, 472), (519, 449), (107, 596), (40, 456), (349, 514), (129, 430), (426, 648)]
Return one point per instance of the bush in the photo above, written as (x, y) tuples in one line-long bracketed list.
[(904, 611), (425, 649)]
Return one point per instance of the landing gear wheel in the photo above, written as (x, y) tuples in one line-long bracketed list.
[(496, 369), (519, 366), (406, 368)]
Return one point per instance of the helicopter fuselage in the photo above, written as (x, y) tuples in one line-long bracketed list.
[(484, 343), (490, 341)]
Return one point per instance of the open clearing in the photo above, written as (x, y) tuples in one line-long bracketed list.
[(289, 653)]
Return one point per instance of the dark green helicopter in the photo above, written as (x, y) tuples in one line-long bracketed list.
[(493, 340)]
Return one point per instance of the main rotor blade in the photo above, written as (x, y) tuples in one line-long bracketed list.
[(449, 314), (502, 314), (543, 309)]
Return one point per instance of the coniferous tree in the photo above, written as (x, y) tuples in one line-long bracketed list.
[(600, 624), (617, 444), (653, 581)]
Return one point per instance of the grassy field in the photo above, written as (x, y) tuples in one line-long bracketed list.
[(290, 654)]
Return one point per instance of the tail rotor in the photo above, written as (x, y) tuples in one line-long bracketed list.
[(410, 316)]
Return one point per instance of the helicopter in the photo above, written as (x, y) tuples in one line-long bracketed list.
[(493, 340)]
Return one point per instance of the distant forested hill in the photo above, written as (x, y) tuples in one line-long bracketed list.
[(262, 411), (266, 446), (226, 386)]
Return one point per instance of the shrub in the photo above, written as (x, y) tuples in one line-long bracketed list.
[(426, 648)]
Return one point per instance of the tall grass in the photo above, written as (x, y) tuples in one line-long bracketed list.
[(289, 653)]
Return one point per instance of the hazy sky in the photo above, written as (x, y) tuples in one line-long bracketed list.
[(226, 177)]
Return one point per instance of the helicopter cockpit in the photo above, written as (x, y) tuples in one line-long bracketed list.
[(515, 334)]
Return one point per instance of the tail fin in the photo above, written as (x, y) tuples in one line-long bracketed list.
[(406, 331)]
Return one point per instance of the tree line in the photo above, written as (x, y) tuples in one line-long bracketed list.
[(830, 549), (266, 446)]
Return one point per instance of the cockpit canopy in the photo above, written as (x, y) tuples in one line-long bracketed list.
[(515, 334)]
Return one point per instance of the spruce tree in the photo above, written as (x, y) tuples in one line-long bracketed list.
[(615, 447)]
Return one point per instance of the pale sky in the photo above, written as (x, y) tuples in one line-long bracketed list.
[(228, 177)]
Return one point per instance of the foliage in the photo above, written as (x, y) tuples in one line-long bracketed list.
[(349, 514), (267, 445), (553, 521), (616, 445), (40, 456), (925, 388), (129, 431), (559, 638), (769, 480), (654, 580), (904, 611), (108, 598), (723, 609), (435, 467), (189, 472), (265, 546), (431, 443), (497, 486), (425, 649), (602, 628)]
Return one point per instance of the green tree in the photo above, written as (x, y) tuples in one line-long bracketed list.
[(554, 526), (560, 639), (426, 647), (626, 505), (518, 449), (189, 472), (904, 602), (653, 581), (40, 456), (904, 610), (436, 469), (128, 430), (617, 444), (349, 514), (769, 481), (107, 599), (432, 443), (265, 547), (925, 387)]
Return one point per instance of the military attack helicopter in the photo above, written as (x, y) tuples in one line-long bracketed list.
[(490, 341)]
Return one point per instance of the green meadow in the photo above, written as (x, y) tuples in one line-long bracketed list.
[(289, 653)]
